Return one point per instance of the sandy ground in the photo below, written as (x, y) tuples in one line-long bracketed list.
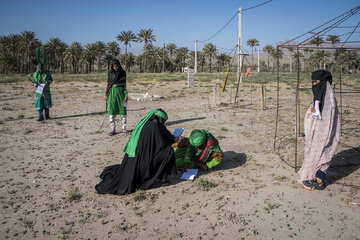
[(49, 169)]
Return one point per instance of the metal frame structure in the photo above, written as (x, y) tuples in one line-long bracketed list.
[(304, 42)]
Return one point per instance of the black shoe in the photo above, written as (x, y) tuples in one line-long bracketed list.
[(47, 117), (40, 119), (112, 133)]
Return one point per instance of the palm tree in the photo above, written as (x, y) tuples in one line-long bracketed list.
[(131, 60), (113, 48), (276, 53), (90, 55), (297, 56), (73, 54), (333, 39), (100, 52), (52, 47), (201, 60), (61, 53), (27, 38), (349, 58), (252, 43), (317, 41), (171, 47), (182, 54), (108, 58), (146, 36), (126, 38), (209, 50), (268, 49), (224, 59)]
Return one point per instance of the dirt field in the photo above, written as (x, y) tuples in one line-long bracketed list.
[(49, 169)]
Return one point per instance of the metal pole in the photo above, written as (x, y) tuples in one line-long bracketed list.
[(237, 85), (297, 113), (239, 75), (258, 60), (341, 110), (163, 63), (195, 67)]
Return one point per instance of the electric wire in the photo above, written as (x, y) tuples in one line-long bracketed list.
[(237, 12)]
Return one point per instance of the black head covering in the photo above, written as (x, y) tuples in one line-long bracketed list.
[(156, 118), (116, 77), (319, 90)]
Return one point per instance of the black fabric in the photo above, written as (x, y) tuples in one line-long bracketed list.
[(319, 90), (116, 77), (154, 160)]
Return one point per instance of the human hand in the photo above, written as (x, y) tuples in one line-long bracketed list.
[(185, 167), (106, 98), (313, 109), (203, 166)]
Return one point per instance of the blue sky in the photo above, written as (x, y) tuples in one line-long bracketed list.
[(178, 22)]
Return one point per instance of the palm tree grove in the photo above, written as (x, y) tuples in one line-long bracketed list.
[(18, 55)]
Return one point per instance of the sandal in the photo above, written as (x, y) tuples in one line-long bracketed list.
[(317, 185), (308, 184)]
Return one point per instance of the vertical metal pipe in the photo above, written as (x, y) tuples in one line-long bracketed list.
[(239, 76), (341, 110), (195, 67), (297, 112)]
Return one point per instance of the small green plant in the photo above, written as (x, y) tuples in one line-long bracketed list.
[(7, 108), (139, 196), (204, 184), (27, 131), (58, 123), (73, 195), (220, 137), (240, 124), (224, 129)]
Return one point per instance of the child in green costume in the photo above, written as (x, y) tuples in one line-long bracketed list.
[(201, 150), (42, 77)]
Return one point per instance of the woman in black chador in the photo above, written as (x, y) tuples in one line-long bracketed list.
[(148, 157)]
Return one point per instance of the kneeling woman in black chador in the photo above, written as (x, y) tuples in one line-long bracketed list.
[(148, 157)]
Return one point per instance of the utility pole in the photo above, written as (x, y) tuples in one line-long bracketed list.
[(258, 60), (195, 67), (163, 63), (239, 67)]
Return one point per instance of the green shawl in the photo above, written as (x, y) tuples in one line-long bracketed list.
[(130, 147)]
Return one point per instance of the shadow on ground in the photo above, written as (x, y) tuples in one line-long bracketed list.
[(183, 120), (342, 165)]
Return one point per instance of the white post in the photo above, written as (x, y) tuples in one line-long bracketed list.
[(258, 60), (239, 75), (195, 67), (290, 63)]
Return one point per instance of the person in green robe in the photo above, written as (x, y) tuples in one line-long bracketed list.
[(116, 96), (42, 79), (201, 150)]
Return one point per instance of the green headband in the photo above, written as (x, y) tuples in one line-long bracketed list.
[(197, 137), (130, 147)]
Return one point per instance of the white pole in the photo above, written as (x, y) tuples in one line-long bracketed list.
[(259, 60), (239, 75), (290, 63), (195, 67)]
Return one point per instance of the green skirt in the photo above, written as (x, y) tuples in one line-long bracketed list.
[(115, 102)]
